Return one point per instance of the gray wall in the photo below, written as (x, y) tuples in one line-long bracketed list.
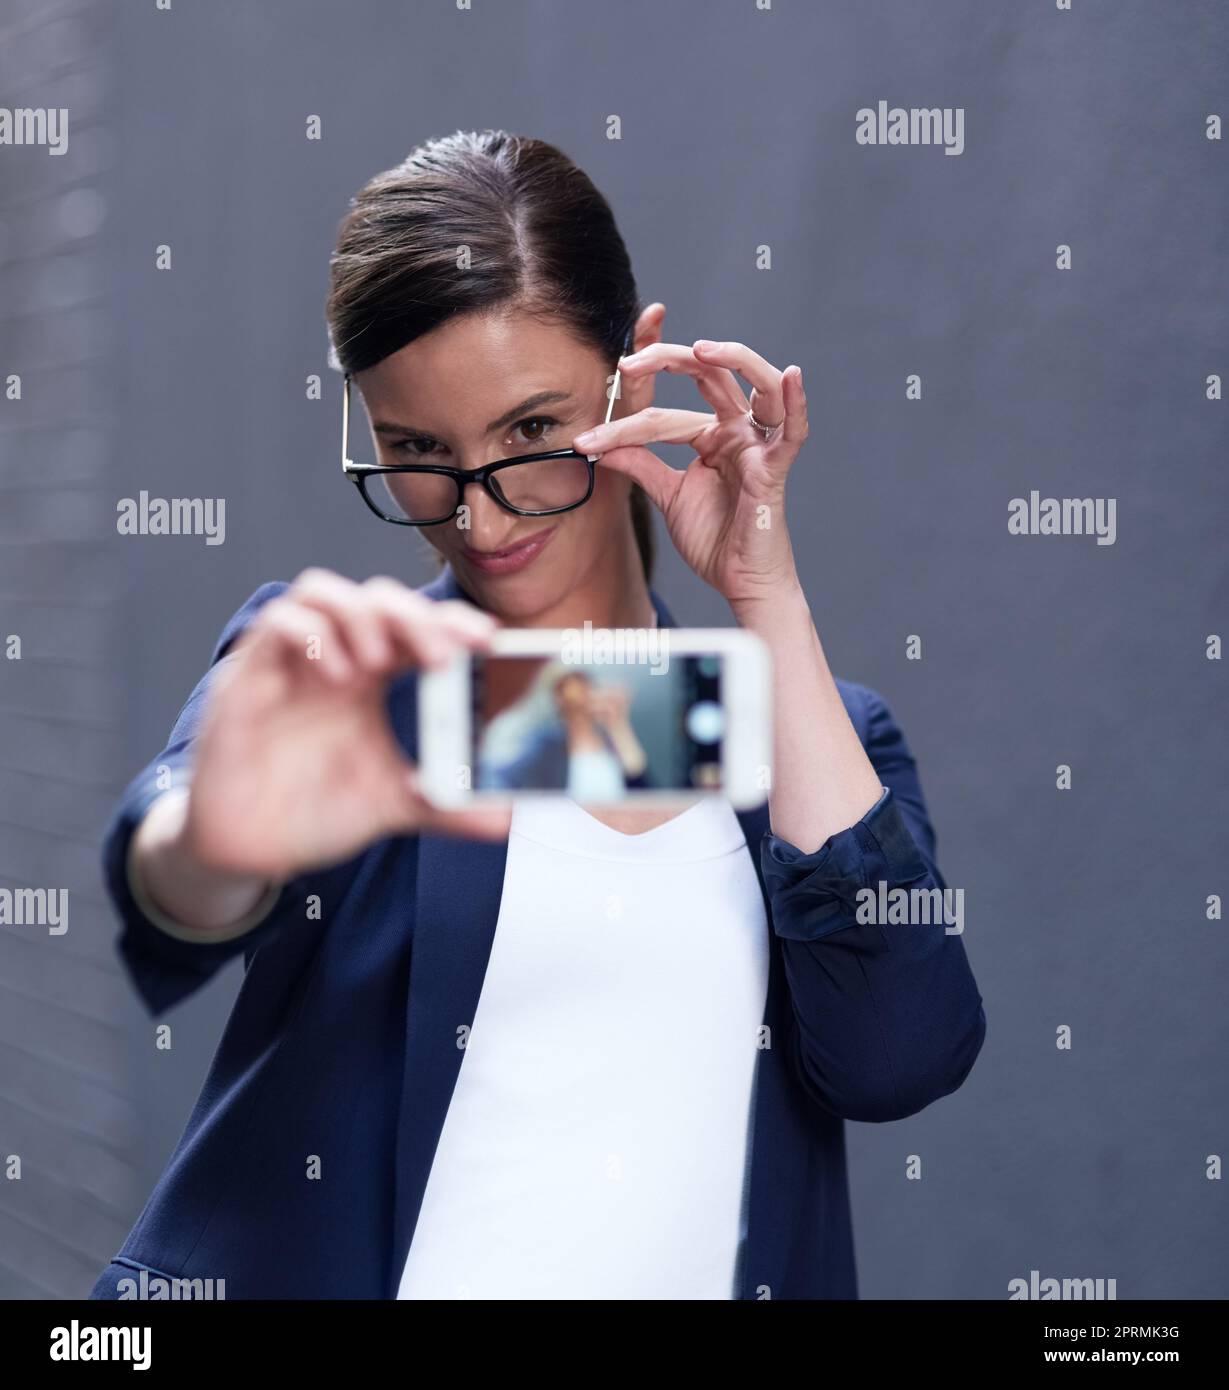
[(1084, 907), (69, 1092)]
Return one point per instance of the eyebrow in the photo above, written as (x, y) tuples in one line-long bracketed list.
[(509, 417)]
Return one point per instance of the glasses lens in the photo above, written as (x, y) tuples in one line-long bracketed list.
[(420, 497), (543, 485)]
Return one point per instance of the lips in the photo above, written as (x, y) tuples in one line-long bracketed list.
[(511, 559)]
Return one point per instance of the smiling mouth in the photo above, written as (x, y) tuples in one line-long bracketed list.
[(511, 558)]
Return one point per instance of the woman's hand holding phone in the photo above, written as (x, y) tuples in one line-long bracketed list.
[(296, 766)]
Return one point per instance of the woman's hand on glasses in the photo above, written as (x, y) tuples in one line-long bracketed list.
[(725, 512), (296, 766)]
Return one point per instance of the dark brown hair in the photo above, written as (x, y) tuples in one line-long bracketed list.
[(469, 222)]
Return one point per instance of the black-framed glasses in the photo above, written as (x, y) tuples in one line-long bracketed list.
[(428, 494)]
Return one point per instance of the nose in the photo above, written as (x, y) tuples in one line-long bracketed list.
[(490, 525)]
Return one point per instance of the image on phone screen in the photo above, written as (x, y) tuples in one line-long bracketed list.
[(597, 731)]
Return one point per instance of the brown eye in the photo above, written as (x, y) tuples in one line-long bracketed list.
[(416, 448), (535, 427)]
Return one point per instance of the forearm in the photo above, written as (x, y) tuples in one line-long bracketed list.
[(628, 749), (171, 883), (823, 782)]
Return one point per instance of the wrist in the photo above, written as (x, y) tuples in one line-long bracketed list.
[(179, 893), (781, 608)]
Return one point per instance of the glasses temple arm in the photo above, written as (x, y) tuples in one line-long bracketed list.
[(616, 381), (345, 423)]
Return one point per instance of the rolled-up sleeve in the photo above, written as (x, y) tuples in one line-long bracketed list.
[(886, 1016), (816, 894)]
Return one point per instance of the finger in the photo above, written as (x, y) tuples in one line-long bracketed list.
[(716, 383), (475, 622), (654, 424), (480, 823), (386, 624), (486, 822), (656, 477), (795, 406), (284, 630), (766, 397), (437, 629), (358, 621)]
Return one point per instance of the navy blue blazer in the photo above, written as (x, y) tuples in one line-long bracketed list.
[(343, 1041)]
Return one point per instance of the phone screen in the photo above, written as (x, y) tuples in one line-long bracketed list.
[(597, 731)]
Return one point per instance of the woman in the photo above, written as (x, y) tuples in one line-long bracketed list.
[(590, 749), (678, 1009)]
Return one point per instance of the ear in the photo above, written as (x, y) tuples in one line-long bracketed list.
[(648, 327), (639, 395)]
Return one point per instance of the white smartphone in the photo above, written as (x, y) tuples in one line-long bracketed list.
[(605, 716)]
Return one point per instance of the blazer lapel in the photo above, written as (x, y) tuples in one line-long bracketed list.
[(455, 910)]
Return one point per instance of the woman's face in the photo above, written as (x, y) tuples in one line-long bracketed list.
[(572, 695), (493, 386)]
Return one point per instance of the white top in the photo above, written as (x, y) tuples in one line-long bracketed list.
[(596, 1139), (595, 774)]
